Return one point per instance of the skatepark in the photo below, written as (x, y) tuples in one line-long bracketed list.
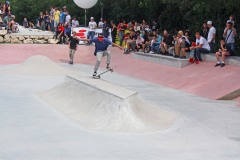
[(143, 110)]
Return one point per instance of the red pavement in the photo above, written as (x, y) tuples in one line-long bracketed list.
[(202, 79)]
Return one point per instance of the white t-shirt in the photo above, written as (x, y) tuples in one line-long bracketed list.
[(140, 41), (204, 43), (75, 23), (100, 24), (212, 31), (231, 36), (92, 26), (68, 18)]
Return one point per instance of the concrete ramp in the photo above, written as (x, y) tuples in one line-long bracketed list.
[(39, 65), (101, 106)]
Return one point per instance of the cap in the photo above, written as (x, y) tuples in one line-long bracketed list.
[(209, 22), (100, 35), (180, 32)]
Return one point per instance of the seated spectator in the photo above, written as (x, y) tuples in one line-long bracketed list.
[(41, 22), (136, 27), (229, 34), (131, 42), (156, 43), (179, 43), (60, 32), (146, 46), (202, 46), (31, 25), (67, 32), (139, 42), (183, 48), (25, 23), (75, 23), (223, 51), (166, 43), (6, 20), (171, 49)]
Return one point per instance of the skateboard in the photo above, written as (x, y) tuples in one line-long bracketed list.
[(99, 75)]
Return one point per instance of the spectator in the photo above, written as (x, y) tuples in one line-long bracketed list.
[(131, 25), (67, 32), (121, 30), (131, 42), (47, 21), (186, 34), (139, 42), (52, 18), (68, 18), (41, 23), (146, 42), (204, 32), (6, 20), (31, 25), (25, 23), (179, 42), (211, 36), (12, 25), (229, 34), (231, 17), (114, 32), (75, 23), (6, 8), (62, 17), (156, 44), (60, 33), (166, 43), (92, 25), (202, 46), (136, 27), (223, 51), (105, 29), (56, 17), (183, 48), (100, 24), (154, 26)]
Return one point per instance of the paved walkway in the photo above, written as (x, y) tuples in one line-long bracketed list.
[(202, 79)]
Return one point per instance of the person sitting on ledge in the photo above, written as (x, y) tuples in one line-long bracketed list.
[(202, 46), (223, 51)]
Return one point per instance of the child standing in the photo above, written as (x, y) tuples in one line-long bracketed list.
[(73, 45)]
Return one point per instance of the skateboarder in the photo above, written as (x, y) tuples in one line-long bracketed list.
[(101, 45)]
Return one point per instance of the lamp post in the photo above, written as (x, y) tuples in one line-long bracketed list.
[(85, 4)]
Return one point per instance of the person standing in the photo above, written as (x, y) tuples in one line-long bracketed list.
[(211, 36), (75, 23), (73, 46), (121, 30), (229, 34), (41, 22), (101, 45), (105, 29), (56, 16), (92, 25), (114, 32), (204, 32)]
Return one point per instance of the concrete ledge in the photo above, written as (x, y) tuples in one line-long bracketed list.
[(161, 59), (210, 57)]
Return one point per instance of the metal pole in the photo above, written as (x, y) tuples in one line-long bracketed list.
[(85, 17)]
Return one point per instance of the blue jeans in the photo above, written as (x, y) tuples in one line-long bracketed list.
[(198, 51), (90, 35), (121, 37), (155, 46), (231, 46)]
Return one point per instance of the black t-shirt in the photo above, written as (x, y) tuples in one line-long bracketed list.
[(73, 42), (133, 37), (168, 40), (41, 19)]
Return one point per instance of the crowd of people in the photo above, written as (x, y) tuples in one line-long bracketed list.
[(7, 19)]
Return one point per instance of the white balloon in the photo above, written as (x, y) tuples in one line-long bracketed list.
[(85, 4)]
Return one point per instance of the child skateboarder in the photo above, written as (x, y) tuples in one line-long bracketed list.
[(73, 45), (101, 45)]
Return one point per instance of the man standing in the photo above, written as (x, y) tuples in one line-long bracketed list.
[(211, 36), (92, 26), (101, 45), (56, 16), (229, 34)]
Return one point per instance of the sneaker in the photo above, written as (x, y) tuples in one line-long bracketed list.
[(108, 67), (196, 61), (223, 64), (151, 52), (218, 64), (94, 74), (70, 62)]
